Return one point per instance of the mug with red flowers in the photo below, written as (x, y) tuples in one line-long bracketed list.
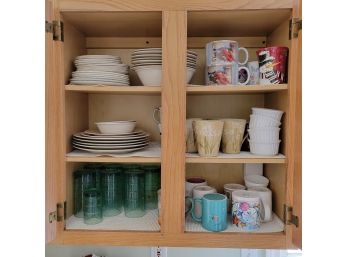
[(226, 52)]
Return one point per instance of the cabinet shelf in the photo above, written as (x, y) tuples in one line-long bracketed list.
[(127, 90), (242, 157), (191, 89), (149, 222), (274, 226), (233, 89), (150, 154)]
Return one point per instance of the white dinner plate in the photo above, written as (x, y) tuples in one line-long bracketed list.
[(105, 151), (110, 142), (113, 147), (106, 83)]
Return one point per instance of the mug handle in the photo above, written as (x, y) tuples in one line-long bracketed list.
[(155, 111), (248, 72), (193, 207), (246, 55), (262, 210)]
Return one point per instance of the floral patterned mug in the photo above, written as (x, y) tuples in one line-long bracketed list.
[(246, 210)]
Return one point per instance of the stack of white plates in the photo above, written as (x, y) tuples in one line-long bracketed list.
[(147, 63), (100, 70), (95, 142), (264, 131)]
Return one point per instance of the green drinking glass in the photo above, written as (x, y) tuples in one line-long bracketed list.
[(92, 207), (78, 194), (112, 190), (152, 184), (134, 198)]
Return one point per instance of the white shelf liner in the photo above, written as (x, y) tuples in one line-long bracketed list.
[(241, 155), (149, 222), (276, 225), (153, 150)]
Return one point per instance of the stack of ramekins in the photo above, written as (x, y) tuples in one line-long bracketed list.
[(264, 131)]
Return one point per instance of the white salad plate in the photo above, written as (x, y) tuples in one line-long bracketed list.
[(110, 142), (126, 137), (97, 133)]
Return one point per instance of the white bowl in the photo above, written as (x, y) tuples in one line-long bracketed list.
[(256, 181), (261, 148), (151, 75), (116, 127), (274, 114), (265, 135), (258, 121)]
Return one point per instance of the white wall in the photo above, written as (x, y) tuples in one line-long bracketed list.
[(79, 251)]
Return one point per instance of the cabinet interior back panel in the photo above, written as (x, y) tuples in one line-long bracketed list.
[(104, 107)]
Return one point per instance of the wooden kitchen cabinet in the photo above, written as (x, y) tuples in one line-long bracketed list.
[(75, 27)]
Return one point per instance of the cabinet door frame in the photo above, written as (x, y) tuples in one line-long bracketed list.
[(295, 133)]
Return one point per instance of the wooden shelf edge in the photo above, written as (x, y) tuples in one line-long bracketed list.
[(187, 239), (114, 89), (233, 89), (115, 159), (234, 160)]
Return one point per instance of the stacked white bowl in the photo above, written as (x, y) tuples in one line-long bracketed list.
[(264, 131), (147, 63), (100, 70)]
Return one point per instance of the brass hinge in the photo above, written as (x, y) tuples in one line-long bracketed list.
[(59, 214), (295, 25), (56, 28), (289, 217)]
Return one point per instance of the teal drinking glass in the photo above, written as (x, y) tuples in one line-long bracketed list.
[(78, 194), (112, 190), (152, 184), (134, 198), (92, 207)]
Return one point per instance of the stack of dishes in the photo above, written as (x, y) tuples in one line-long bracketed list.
[(100, 70), (147, 63), (264, 131), (120, 138)]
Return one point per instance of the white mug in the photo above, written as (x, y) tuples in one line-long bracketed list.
[(256, 181), (228, 189), (254, 73), (265, 195), (156, 115), (190, 183), (198, 193)]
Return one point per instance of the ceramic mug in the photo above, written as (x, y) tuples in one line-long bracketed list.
[(156, 115), (254, 73), (265, 195), (246, 210), (273, 62), (225, 52), (191, 146), (256, 181), (190, 183), (228, 189), (226, 75), (214, 212), (232, 135), (208, 136), (198, 193)]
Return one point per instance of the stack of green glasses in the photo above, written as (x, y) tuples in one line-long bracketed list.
[(103, 190)]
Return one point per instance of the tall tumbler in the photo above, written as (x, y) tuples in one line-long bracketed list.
[(134, 200), (112, 190), (84, 179), (152, 184), (92, 207), (78, 194)]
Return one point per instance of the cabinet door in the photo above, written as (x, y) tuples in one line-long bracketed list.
[(54, 126), (296, 130), (50, 179)]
